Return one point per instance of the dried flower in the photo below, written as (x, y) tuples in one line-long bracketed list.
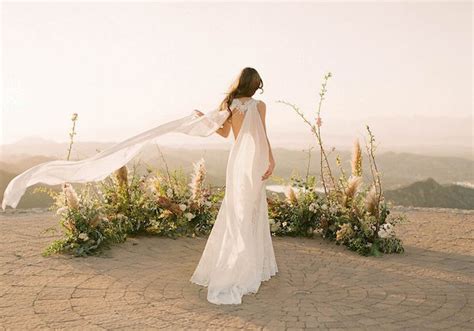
[(182, 206), (169, 205), (345, 232), (371, 201), (189, 216), (291, 196), (166, 213), (95, 221), (122, 176), (319, 121), (356, 159), (72, 199), (69, 224), (197, 181), (353, 185), (74, 116), (174, 207)]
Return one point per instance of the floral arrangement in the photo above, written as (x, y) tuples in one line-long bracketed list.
[(347, 212), (87, 229), (127, 204), (164, 203), (160, 203)]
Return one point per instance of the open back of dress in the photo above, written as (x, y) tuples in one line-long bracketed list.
[(239, 254)]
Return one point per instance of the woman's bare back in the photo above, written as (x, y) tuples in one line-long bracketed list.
[(238, 118)]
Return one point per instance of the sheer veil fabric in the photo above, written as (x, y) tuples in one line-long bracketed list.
[(101, 165), (239, 253)]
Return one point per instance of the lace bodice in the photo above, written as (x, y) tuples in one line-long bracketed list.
[(242, 105)]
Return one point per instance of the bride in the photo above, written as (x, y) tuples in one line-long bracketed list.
[(239, 254)]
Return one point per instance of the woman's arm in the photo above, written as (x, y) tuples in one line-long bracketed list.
[(262, 109), (224, 129)]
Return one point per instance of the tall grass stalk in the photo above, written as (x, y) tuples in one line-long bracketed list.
[(72, 133), (325, 169)]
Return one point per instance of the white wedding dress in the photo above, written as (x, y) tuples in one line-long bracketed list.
[(239, 253)]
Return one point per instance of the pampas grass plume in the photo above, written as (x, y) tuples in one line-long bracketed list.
[(356, 159)]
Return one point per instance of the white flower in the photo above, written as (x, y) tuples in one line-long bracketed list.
[(151, 185), (182, 206), (189, 216), (382, 233), (324, 207), (83, 236), (274, 227), (386, 231), (387, 227), (312, 207), (61, 210), (271, 221), (284, 224), (169, 192)]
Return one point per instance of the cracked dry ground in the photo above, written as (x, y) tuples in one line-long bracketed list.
[(144, 282)]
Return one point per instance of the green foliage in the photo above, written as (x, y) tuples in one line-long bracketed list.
[(297, 214), (162, 204), (86, 231), (304, 212)]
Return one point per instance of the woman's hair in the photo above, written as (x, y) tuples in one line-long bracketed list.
[(245, 85)]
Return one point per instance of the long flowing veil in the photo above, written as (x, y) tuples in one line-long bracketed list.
[(101, 165)]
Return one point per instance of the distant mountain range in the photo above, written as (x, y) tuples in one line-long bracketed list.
[(429, 193), (399, 170)]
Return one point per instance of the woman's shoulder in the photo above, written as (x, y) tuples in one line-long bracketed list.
[(260, 104)]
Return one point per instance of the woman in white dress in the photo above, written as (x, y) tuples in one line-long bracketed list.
[(239, 254)]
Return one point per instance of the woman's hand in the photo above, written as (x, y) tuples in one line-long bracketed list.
[(199, 113), (269, 171)]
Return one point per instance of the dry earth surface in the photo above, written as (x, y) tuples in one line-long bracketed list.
[(144, 282)]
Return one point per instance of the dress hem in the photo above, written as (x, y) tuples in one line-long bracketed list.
[(205, 284), (242, 293)]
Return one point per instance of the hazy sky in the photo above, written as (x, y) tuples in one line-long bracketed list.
[(404, 68)]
